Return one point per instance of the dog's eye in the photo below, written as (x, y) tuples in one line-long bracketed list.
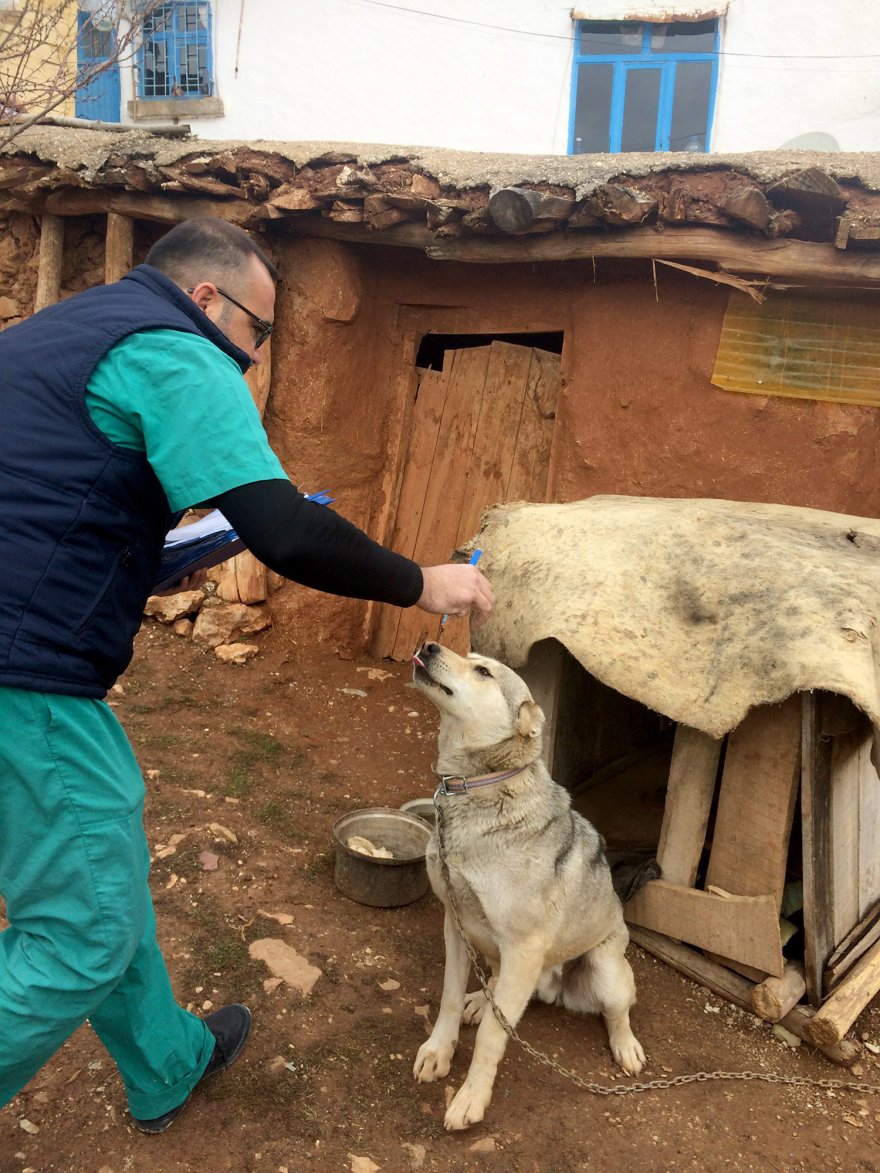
[(483, 670)]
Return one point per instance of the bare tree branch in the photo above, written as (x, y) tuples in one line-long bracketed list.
[(40, 70)]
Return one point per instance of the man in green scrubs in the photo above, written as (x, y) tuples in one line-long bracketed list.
[(122, 407)]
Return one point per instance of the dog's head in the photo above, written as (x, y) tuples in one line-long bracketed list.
[(487, 714)]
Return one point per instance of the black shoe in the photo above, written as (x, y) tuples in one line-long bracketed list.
[(230, 1027)]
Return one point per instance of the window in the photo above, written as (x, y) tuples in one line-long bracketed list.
[(806, 348), (174, 58), (643, 87)]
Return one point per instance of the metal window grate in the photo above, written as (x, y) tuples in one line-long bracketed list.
[(174, 57)]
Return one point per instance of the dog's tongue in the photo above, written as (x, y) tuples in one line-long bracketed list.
[(417, 660)]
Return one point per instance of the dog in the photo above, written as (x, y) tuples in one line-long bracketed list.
[(529, 879)]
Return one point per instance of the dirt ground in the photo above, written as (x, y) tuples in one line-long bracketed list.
[(273, 753)]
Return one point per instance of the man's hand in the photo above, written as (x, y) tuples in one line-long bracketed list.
[(455, 589)]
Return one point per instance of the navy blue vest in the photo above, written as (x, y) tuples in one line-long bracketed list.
[(81, 519)]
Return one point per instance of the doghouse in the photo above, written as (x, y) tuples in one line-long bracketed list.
[(456, 330), (708, 669)]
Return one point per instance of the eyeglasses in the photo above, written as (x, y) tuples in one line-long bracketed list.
[(265, 329)]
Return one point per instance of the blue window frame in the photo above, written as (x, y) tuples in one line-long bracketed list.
[(643, 87), (174, 56)]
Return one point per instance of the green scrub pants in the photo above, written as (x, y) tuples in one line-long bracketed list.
[(82, 937)]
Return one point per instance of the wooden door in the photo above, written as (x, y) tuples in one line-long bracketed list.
[(481, 432)]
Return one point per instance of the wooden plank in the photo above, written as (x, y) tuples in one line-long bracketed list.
[(425, 428), (816, 846), (529, 472), (844, 836), (543, 675), (840, 1009), (869, 825), (756, 802), (118, 247), (501, 410), (447, 481), (692, 775), (51, 259), (735, 989), (743, 928), (865, 925), (838, 967)]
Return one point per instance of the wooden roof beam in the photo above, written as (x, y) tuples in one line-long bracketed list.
[(780, 257)]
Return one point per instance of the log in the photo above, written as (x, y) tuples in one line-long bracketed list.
[(619, 205), (841, 1008), (344, 213), (51, 258), (737, 990), (674, 204), (748, 205), (118, 247), (242, 579), (773, 998), (769, 258), (293, 199), (380, 215), (810, 191), (514, 209)]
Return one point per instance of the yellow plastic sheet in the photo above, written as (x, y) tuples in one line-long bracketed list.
[(808, 348)]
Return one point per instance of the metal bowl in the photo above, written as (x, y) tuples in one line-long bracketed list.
[(423, 807), (382, 883)]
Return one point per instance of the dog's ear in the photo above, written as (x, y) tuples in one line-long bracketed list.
[(530, 719)]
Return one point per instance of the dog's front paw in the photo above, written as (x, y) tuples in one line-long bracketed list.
[(468, 1107), (629, 1054), (433, 1060), (474, 1005)]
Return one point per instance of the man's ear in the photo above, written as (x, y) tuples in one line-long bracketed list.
[(530, 719)]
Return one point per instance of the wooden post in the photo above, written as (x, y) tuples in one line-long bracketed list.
[(773, 998), (118, 247), (51, 257), (244, 579)]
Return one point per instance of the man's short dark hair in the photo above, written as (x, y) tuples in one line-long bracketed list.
[(206, 250)]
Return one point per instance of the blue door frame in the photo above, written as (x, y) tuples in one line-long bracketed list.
[(99, 98)]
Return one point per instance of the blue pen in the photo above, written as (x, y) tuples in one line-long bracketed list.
[(472, 561)]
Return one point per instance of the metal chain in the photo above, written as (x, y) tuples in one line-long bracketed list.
[(618, 1089)]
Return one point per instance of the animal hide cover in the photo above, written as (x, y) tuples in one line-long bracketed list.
[(700, 609)]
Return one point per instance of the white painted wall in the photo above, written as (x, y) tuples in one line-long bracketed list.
[(495, 75), (790, 67)]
